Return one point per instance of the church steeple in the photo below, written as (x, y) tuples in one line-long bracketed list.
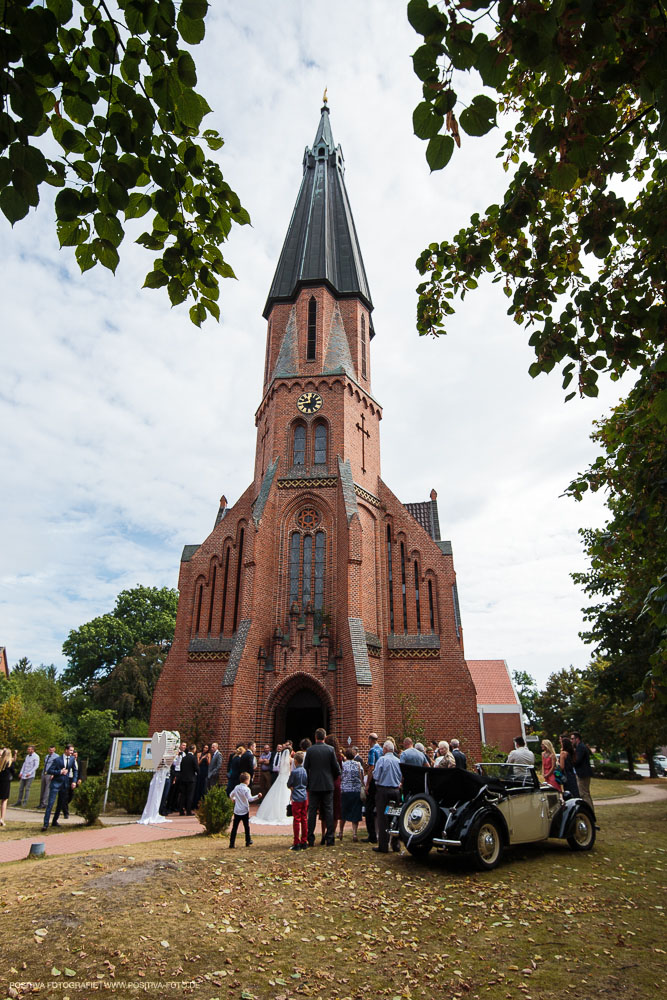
[(321, 246)]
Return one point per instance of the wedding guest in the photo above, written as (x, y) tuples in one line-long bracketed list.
[(350, 788), (7, 761), (374, 754), (582, 768), (411, 755), (237, 762), (275, 762), (445, 756), (298, 783), (241, 797), (265, 769), (549, 761), (203, 761), (214, 767), (388, 777), (567, 767), (46, 777), (458, 755), (27, 775), (188, 782), (332, 741)]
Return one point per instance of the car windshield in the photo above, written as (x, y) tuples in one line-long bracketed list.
[(514, 774)]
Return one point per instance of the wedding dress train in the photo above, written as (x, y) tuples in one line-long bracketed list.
[(273, 808)]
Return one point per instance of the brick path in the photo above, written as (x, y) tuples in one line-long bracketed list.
[(117, 832)]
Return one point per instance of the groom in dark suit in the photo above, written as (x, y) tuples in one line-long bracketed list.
[(322, 768)]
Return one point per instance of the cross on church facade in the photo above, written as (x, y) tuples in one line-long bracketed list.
[(364, 434), (264, 435)]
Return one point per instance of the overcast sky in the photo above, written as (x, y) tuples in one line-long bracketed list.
[(121, 424)]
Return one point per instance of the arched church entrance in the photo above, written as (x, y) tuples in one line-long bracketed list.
[(299, 713)]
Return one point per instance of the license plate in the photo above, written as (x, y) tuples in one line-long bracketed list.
[(392, 810)]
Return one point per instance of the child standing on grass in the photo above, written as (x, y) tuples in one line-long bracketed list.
[(298, 781), (241, 797)]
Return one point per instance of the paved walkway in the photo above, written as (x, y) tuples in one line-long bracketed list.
[(118, 831), (123, 831)]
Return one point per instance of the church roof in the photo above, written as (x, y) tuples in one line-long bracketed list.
[(321, 246)]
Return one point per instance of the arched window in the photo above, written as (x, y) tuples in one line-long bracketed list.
[(391, 581), (321, 444), (403, 589), (431, 608), (237, 595), (307, 569), (210, 609), (224, 592), (363, 347), (319, 571), (294, 553), (198, 616), (299, 449), (419, 618), (312, 330)]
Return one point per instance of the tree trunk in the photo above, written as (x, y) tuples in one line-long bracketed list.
[(651, 763), (631, 760)]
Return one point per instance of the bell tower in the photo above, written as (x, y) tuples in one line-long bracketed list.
[(318, 595)]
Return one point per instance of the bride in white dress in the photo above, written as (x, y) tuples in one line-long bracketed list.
[(273, 807)]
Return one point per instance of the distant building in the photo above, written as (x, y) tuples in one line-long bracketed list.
[(4, 666), (498, 705)]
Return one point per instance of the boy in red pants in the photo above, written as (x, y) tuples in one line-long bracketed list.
[(298, 781)]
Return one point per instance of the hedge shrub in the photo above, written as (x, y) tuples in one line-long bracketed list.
[(88, 798), (130, 791), (215, 810), (609, 769)]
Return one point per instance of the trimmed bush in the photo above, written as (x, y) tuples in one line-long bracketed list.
[(88, 798), (609, 769), (130, 791), (491, 754), (215, 810)]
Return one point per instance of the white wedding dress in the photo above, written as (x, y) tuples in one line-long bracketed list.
[(273, 808), (151, 813)]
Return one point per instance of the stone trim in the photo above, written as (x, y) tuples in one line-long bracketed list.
[(414, 654), (237, 652), (366, 496), (208, 657), (362, 667), (347, 483), (427, 640), (211, 644), (263, 495), (316, 482)]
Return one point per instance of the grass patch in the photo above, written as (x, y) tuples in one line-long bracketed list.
[(342, 922), (601, 789), (19, 830)]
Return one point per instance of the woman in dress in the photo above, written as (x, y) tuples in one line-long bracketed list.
[(350, 793), (236, 765), (445, 756), (6, 777), (203, 760), (273, 807), (549, 760), (567, 767)]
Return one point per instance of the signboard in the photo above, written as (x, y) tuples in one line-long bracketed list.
[(131, 754)]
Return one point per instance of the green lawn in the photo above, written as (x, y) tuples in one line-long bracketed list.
[(262, 923)]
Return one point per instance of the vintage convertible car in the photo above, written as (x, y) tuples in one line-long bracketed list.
[(480, 814)]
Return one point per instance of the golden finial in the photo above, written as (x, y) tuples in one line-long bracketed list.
[(325, 99)]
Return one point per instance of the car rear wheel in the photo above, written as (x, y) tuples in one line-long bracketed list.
[(419, 820), (420, 850), (582, 835), (486, 844)]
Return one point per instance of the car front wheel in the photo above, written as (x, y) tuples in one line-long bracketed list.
[(419, 820), (486, 844), (582, 835)]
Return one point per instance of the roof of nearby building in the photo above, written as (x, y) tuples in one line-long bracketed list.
[(493, 682), (321, 245)]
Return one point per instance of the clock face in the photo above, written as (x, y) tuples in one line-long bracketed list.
[(309, 402)]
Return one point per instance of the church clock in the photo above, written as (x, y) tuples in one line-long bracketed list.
[(309, 402)]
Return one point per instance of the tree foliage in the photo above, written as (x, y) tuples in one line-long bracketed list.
[(627, 577), (526, 689), (145, 615), (128, 688), (579, 239), (93, 736), (99, 100)]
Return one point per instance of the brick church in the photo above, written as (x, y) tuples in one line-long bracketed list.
[(319, 598)]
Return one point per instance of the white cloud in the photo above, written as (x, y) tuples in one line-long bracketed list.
[(121, 424)]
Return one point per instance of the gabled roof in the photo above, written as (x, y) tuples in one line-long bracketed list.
[(321, 246), (493, 683)]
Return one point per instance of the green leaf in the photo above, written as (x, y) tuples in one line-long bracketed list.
[(109, 228), (659, 406), (425, 19), (67, 205), (62, 9), (106, 253), (192, 30), (425, 121), (424, 61), (156, 279), (480, 117), (85, 257), (177, 293), (187, 72), (439, 151), (601, 120), (138, 205), (190, 109), (198, 314), (563, 176), (13, 205)]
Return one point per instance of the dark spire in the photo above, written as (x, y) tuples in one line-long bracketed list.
[(321, 245)]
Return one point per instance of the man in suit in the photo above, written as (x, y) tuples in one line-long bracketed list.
[(582, 767), (275, 761), (46, 777), (188, 780), (64, 773), (214, 767), (322, 768), (458, 754)]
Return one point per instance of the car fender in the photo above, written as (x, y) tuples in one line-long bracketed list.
[(469, 820), (561, 824)]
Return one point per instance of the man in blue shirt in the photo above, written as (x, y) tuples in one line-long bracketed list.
[(388, 777), (411, 755)]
